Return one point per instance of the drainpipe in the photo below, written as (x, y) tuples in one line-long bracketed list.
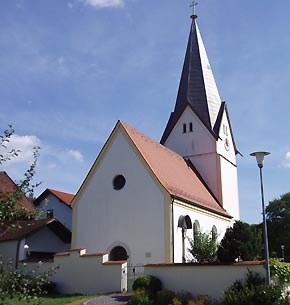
[(172, 227)]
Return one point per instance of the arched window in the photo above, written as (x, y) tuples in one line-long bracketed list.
[(184, 128), (196, 229), (118, 254), (214, 234)]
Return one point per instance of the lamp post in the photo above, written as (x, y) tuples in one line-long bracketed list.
[(260, 161), (282, 250)]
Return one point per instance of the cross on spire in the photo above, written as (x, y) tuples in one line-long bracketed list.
[(193, 5)]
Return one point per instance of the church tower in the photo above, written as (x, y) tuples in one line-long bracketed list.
[(199, 128)]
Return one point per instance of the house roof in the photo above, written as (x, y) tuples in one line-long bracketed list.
[(7, 187), (197, 87), (66, 198), (176, 175), (20, 229)]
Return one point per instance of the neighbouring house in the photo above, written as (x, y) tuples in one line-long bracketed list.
[(53, 203), (39, 239), (142, 199), (7, 187), (33, 239)]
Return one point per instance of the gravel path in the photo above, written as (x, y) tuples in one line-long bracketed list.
[(112, 299)]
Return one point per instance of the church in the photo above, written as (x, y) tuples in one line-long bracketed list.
[(141, 199)]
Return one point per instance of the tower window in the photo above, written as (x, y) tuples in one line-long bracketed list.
[(184, 128), (225, 128), (190, 127)]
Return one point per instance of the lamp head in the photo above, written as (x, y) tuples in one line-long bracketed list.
[(260, 157)]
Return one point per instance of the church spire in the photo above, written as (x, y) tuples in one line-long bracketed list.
[(197, 87)]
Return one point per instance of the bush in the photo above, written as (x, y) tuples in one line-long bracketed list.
[(165, 297), (140, 297), (147, 282), (253, 291)]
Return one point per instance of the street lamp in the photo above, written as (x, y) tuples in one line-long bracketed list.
[(282, 250), (260, 161)]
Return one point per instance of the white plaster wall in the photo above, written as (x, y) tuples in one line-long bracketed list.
[(229, 173), (85, 274), (199, 146), (208, 168), (199, 141), (201, 280), (228, 153), (8, 251), (60, 210), (46, 241), (132, 217), (206, 222), (230, 189)]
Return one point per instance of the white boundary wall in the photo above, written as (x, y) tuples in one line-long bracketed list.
[(210, 280), (86, 273)]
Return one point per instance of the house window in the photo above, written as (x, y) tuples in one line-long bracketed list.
[(184, 128), (119, 182), (190, 127), (49, 213)]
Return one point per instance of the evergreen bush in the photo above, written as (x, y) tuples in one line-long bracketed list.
[(147, 282)]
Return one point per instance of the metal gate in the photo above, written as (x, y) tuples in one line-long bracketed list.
[(133, 271)]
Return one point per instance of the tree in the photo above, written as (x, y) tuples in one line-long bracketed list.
[(278, 219), (20, 282), (4, 139), (239, 242), (203, 248)]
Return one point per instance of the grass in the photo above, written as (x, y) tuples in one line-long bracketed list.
[(55, 300)]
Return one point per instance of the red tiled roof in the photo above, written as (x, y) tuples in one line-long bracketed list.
[(23, 228), (173, 172), (7, 187), (65, 197)]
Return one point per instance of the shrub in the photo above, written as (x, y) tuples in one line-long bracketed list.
[(165, 297), (280, 271), (184, 297), (176, 301), (147, 282), (253, 291), (140, 297)]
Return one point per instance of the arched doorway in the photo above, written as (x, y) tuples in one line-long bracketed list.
[(118, 254)]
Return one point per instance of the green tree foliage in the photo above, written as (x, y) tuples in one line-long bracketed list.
[(22, 283), (239, 242), (18, 282), (280, 271), (278, 219), (6, 155), (203, 248), (252, 290)]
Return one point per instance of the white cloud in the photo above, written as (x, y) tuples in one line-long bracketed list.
[(51, 166), (76, 154), (23, 143), (104, 3), (286, 162)]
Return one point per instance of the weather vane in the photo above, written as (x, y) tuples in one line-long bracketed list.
[(193, 5)]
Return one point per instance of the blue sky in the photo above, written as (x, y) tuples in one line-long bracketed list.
[(71, 68)]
